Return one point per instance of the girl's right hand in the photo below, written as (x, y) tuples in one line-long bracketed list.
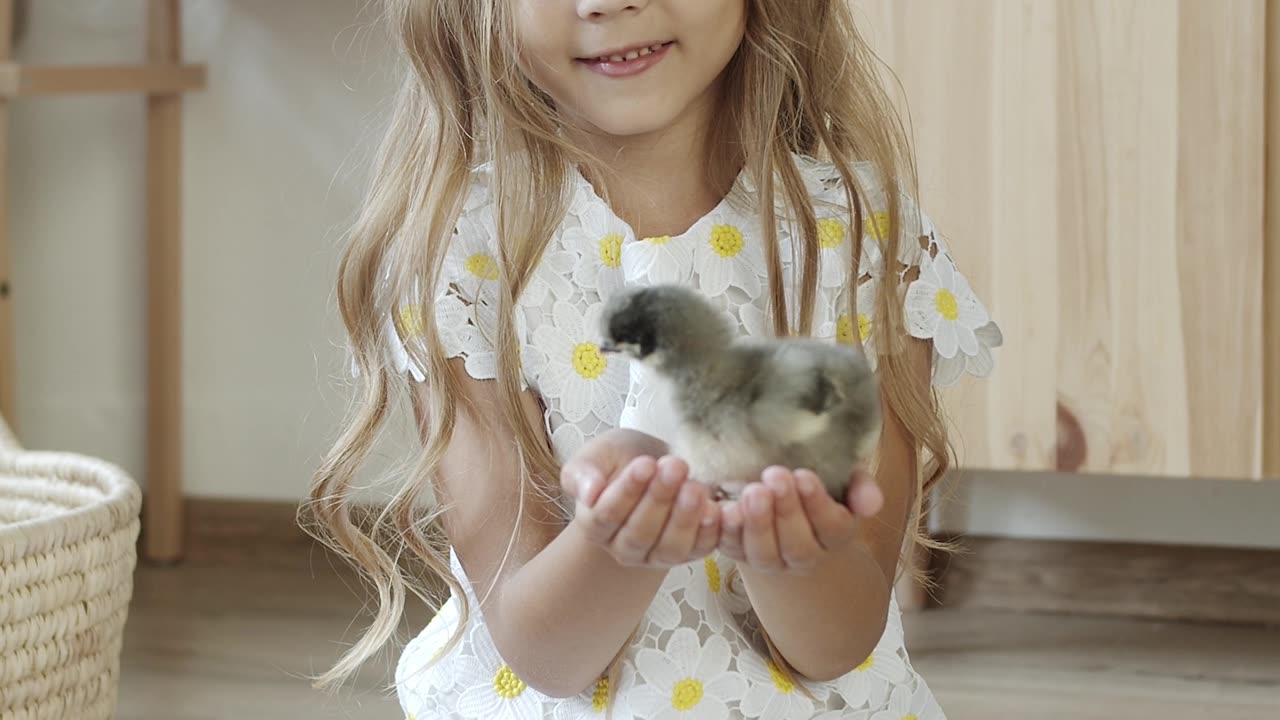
[(644, 512)]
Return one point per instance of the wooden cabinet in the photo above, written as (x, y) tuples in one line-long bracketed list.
[(1098, 166)]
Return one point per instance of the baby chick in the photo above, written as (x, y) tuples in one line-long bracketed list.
[(744, 404)]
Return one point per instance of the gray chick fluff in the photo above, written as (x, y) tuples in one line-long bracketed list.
[(744, 404)]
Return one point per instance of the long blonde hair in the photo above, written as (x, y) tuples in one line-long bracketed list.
[(803, 82)]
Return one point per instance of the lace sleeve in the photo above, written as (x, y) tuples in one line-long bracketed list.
[(939, 304), (464, 304)]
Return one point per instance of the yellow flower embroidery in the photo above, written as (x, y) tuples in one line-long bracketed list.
[(658, 239), (946, 303), (506, 684), (686, 694), (611, 250), (780, 679), (411, 323), (866, 664), (877, 226), (482, 266), (726, 240), (830, 234), (844, 330), (588, 361), (600, 698), (864, 327), (713, 574)]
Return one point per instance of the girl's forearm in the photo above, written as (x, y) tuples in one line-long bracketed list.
[(828, 620), (562, 617)]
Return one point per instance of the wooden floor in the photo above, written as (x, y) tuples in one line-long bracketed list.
[(232, 639)]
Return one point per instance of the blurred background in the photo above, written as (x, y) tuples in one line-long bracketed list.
[(1098, 166)]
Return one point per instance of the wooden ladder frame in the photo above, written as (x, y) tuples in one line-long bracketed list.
[(161, 79)]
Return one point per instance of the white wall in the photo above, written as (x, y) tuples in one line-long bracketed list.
[(274, 155), (274, 162)]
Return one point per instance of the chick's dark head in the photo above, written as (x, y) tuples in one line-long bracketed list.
[(662, 324)]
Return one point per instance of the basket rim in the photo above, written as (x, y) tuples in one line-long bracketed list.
[(120, 490)]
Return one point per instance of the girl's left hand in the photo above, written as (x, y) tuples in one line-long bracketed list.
[(788, 522)]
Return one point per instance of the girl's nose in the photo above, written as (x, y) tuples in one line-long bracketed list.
[(601, 9)]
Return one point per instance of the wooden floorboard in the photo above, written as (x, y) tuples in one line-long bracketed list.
[(235, 634)]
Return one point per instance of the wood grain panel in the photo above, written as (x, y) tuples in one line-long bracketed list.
[(1139, 580), (1118, 137), (1271, 268), (1098, 167), (982, 122), (1220, 223)]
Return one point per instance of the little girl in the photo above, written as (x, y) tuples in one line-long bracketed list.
[(542, 155)]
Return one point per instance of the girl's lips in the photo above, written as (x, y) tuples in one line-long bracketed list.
[(629, 64)]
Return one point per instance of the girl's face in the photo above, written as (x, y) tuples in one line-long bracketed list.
[(627, 68)]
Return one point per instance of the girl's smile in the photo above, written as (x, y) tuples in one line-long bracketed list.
[(627, 62)]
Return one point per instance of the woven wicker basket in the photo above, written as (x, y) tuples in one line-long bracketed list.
[(68, 527)]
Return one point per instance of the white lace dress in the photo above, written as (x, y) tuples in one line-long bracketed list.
[(699, 654)]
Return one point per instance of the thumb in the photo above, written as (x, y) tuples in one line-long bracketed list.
[(583, 477)]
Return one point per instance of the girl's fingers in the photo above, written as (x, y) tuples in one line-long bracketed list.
[(833, 525), (759, 537), (606, 518), (731, 526), (797, 546), (708, 531), (641, 530), (864, 497), (676, 542)]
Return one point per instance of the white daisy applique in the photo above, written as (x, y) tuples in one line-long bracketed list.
[(476, 259), (848, 328), (755, 320), (940, 305), (664, 612), (907, 705), (687, 680), (844, 715), (471, 261), (872, 259), (583, 378), (598, 238), (869, 683), (835, 251), (498, 693), (467, 330), (772, 694), (566, 437), (424, 671), (708, 592), (595, 702), (457, 326), (725, 255), (658, 259)]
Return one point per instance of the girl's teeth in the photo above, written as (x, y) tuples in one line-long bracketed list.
[(632, 55)]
